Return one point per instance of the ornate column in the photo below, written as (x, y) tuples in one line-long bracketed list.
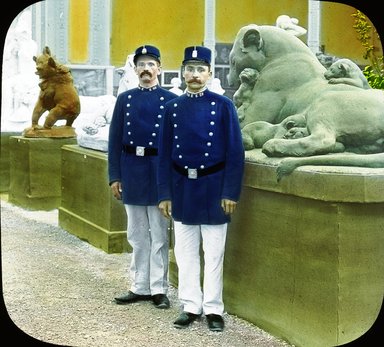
[(56, 29), (99, 39), (313, 34), (209, 32), (99, 32)]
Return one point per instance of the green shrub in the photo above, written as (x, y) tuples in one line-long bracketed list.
[(374, 72)]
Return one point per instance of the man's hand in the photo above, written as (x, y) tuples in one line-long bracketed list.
[(116, 190), (165, 207), (228, 206)]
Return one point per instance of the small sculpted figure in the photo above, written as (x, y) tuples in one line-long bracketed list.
[(128, 79), (290, 25), (176, 83), (57, 95), (243, 96), (346, 71), (216, 86), (92, 124), (256, 134)]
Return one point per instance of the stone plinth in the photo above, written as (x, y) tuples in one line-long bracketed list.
[(35, 171), (4, 160), (304, 257), (88, 208)]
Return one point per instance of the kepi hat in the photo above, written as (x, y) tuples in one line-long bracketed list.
[(198, 54), (152, 51)]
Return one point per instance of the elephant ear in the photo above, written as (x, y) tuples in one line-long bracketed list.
[(252, 40)]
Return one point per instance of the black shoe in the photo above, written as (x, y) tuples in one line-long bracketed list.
[(160, 301), (185, 319), (130, 298), (215, 322)]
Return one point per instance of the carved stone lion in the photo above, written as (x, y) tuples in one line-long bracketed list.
[(57, 95)]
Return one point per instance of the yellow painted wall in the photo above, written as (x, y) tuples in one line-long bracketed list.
[(78, 31), (339, 37), (232, 15), (172, 25), (169, 25)]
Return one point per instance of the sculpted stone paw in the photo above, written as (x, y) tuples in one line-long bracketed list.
[(270, 148), (285, 168), (248, 142)]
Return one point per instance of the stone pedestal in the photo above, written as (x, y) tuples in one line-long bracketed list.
[(88, 208), (4, 161), (35, 172), (305, 257)]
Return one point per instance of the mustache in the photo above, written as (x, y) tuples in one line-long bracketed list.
[(145, 73)]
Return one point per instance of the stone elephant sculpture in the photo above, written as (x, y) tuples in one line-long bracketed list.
[(291, 82)]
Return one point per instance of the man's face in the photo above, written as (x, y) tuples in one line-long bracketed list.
[(196, 75), (147, 69)]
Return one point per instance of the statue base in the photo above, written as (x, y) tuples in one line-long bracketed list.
[(35, 172), (88, 209), (304, 256), (4, 160), (56, 132)]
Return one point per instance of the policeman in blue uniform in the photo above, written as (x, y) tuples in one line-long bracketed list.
[(132, 165), (201, 165)]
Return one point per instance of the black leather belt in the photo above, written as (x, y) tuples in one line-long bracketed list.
[(195, 173), (140, 151)]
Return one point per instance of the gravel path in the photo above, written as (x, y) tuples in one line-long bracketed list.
[(59, 289)]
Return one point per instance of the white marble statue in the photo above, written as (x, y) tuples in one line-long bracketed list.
[(92, 124), (216, 86), (290, 25), (20, 84), (128, 78), (176, 83)]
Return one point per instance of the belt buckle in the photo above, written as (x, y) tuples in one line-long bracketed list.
[(192, 174), (140, 151)]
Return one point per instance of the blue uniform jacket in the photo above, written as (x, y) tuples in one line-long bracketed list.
[(200, 131), (135, 122)]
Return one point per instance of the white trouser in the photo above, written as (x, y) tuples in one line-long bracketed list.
[(148, 236), (187, 254)]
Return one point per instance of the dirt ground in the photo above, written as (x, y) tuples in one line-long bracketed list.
[(59, 289)]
